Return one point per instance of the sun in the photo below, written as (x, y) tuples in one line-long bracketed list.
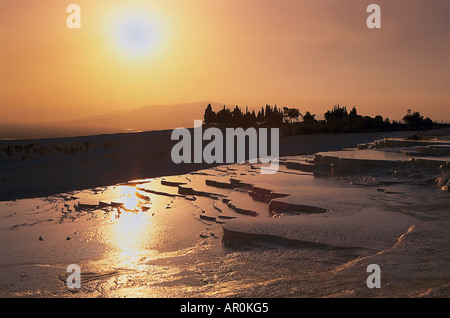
[(135, 35)]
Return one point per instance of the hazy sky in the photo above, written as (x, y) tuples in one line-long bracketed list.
[(309, 54)]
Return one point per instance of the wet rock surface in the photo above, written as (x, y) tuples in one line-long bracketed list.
[(231, 231)]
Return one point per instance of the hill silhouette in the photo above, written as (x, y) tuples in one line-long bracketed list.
[(147, 118)]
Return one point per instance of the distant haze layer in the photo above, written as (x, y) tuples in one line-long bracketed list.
[(158, 117)]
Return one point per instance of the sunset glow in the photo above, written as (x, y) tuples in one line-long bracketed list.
[(135, 34), (306, 54)]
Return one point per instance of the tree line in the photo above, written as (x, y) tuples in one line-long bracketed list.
[(336, 120), (236, 118)]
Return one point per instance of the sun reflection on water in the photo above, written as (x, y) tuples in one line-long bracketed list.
[(149, 242), (132, 229)]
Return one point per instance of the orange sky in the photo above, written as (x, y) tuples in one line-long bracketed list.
[(309, 54)]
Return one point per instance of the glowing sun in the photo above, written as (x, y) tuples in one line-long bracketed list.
[(135, 35)]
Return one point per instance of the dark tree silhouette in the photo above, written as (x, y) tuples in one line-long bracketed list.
[(353, 113), (291, 114), (224, 116), (337, 120), (210, 116), (308, 117), (237, 117), (336, 113), (415, 121)]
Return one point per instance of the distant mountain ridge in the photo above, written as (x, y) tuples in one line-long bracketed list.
[(147, 118), (157, 117)]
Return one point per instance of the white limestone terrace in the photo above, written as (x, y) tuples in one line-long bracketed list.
[(337, 211)]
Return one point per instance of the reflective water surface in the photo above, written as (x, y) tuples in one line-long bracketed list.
[(310, 230)]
